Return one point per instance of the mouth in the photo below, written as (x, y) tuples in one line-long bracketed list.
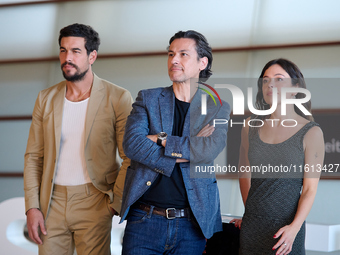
[(68, 66), (174, 69), (269, 93)]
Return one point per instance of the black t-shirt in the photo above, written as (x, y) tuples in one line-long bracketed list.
[(169, 192)]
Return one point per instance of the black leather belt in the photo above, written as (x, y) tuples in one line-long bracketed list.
[(169, 213)]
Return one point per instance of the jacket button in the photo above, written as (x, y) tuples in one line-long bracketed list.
[(148, 183)]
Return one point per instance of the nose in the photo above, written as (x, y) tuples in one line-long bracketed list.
[(68, 57), (174, 59), (271, 83)]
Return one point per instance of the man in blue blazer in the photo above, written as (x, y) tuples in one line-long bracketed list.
[(169, 207)]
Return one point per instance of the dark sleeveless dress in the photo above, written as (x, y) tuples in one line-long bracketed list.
[(273, 197)]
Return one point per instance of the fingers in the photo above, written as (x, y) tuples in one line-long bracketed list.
[(206, 131), (43, 228), (237, 222), (181, 160), (233, 221), (284, 248), (277, 245), (35, 220), (152, 138), (34, 234), (278, 233)]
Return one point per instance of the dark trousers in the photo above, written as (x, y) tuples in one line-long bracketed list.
[(226, 242)]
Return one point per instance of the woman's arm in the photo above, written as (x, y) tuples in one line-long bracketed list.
[(314, 156)]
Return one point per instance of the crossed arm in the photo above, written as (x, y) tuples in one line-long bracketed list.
[(140, 146), (204, 132)]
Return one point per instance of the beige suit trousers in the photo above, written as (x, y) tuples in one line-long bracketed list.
[(79, 218)]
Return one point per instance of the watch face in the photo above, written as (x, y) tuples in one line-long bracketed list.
[(162, 135)]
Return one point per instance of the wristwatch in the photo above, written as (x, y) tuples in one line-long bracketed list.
[(161, 136)]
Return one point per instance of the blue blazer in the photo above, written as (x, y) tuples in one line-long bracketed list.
[(152, 113)]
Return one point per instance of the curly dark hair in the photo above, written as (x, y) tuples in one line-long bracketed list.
[(203, 49), (91, 37)]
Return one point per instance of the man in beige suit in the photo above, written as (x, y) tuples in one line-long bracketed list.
[(73, 178)]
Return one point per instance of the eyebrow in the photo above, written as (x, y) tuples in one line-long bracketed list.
[(71, 49), (179, 51), (275, 75)]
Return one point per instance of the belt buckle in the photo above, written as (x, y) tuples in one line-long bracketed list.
[(167, 213)]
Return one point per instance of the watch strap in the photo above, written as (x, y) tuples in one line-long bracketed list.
[(159, 142)]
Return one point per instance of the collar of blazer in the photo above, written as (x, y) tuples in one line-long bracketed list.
[(166, 101), (166, 105), (96, 97)]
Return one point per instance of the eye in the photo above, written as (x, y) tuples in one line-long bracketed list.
[(62, 50), (184, 54), (264, 81), (170, 54), (279, 79)]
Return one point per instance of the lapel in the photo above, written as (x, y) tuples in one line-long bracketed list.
[(166, 107), (186, 126), (58, 107), (196, 104), (196, 119), (97, 95)]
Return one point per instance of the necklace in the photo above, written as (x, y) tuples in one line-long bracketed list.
[(82, 95)]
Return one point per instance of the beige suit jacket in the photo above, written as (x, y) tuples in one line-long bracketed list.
[(108, 108)]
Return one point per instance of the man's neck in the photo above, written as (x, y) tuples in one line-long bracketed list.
[(80, 86), (184, 92), (79, 89)]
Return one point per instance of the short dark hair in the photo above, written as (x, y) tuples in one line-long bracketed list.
[(297, 79), (91, 37), (203, 48)]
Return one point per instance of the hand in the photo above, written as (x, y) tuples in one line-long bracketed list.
[(285, 243), (152, 138), (237, 222), (206, 131), (182, 160), (35, 219)]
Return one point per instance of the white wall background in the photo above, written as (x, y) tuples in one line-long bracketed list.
[(134, 26)]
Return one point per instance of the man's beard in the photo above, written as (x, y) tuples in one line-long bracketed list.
[(78, 76)]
